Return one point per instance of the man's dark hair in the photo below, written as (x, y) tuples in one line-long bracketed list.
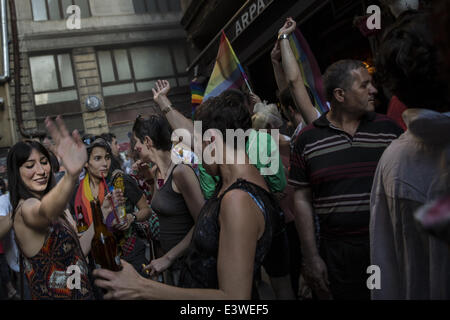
[(17, 156), (339, 75), (156, 128), (108, 137), (408, 63), (226, 111)]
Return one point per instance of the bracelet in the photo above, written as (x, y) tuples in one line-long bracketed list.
[(167, 109), (283, 36), (135, 217)]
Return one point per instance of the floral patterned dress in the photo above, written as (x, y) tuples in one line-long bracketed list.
[(59, 271)]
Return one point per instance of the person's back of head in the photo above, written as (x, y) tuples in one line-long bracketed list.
[(226, 111), (266, 117), (408, 63)]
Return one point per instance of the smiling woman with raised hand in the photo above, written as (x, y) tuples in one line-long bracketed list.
[(45, 231)]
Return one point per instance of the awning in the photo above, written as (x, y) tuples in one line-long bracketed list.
[(242, 19)]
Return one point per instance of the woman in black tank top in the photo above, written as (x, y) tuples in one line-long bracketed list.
[(234, 229), (177, 199)]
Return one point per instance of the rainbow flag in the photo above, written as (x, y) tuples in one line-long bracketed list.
[(309, 69), (227, 73), (197, 92)]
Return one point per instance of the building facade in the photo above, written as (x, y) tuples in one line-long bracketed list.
[(97, 71)]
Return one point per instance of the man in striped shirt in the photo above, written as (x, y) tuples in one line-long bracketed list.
[(332, 167)]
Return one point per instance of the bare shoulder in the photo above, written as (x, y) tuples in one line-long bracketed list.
[(239, 204), (27, 214), (28, 206), (183, 171), (183, 177)]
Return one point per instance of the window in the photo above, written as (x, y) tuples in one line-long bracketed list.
[(156, 6), (52, 79), (56, 9), (136, 69)]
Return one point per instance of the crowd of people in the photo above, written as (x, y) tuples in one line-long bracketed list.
[(351, 189)]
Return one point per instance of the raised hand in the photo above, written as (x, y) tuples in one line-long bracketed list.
[(162, 88), (288, 27), (69, 148)]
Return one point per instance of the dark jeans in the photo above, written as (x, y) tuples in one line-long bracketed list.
[(347, 259)]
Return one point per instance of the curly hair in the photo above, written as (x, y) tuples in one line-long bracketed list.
[(226, 111), (156, 128), (408, 64)]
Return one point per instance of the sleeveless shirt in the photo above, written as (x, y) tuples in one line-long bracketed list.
[(175, 220), (200, 266), (48, 271)]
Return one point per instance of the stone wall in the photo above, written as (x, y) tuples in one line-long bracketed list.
[(87, 77)]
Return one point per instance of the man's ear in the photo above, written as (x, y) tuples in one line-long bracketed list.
[(339, 95), (148, 142)]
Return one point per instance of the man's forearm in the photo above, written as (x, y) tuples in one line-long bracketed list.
[(304, 223)]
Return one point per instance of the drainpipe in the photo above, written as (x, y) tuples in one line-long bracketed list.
[(4, 18), (17, 88)]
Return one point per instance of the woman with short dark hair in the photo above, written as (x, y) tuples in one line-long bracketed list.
[(177, 198)]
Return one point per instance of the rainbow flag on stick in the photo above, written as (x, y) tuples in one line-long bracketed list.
[(309, 69), (227, 73), (197, 92)]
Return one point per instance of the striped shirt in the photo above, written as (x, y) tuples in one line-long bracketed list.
[(339, 169)]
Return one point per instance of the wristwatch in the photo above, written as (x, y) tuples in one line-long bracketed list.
[(283, 36), (167, 109)]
